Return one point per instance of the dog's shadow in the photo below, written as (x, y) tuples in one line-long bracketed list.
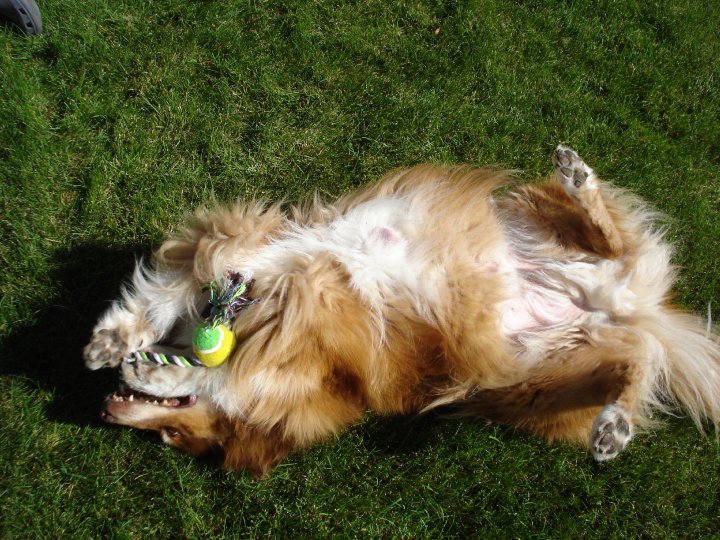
[(48, 354), (395, 435)]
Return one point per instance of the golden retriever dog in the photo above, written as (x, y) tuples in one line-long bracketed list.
[(543, 306)]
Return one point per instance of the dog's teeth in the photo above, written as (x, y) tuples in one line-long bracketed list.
[(131, 398), (154, 402), (165, 402)]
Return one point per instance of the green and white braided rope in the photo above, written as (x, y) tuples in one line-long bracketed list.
[(164, 359)]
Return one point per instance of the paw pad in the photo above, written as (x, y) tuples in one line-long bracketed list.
[(611, 432), (106, 349), (571, 171)]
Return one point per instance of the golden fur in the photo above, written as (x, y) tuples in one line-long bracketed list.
[(421, 308)]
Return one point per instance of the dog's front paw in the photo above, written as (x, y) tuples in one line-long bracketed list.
[(611, 432), (136, 372), (107, 348), (158, 380)]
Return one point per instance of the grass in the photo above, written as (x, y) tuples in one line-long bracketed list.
[(124, 115)]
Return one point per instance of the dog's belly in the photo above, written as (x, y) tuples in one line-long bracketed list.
[(535, 308), (531, 302)]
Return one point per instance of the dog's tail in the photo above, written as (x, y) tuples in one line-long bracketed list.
[(688, 377)]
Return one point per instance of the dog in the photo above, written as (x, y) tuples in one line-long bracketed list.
[(543, 306)]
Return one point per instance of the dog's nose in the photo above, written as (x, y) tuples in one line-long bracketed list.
[(106, 416)]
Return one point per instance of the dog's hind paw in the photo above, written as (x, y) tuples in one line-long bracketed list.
[(610, 433), (106, 349), (572, 172)]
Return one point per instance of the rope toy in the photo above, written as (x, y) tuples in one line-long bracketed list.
[(213, 342), (164, 359)]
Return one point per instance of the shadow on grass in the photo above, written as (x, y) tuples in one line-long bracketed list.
[(398, 435), (49, 353), (402, 435)]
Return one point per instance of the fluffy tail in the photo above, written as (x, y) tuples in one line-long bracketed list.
[(689, 374)]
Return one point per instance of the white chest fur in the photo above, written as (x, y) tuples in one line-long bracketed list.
[(372, 242)]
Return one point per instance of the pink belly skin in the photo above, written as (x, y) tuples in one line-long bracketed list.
[(536, 308)]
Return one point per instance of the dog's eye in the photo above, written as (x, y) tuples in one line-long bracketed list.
[(170, 432)]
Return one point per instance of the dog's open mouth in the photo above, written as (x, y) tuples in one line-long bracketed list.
[(127, 394), (126, 406)]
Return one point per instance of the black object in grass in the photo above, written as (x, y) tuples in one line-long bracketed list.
[(24, 13)]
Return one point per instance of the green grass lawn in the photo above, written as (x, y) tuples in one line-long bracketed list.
[(125, 115)]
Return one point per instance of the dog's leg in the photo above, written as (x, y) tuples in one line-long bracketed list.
[(591, 394), (169, 381), (582, 186), (146, 312), (614, 427)]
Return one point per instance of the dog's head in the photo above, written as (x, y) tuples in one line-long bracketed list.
[(192, 424), (296, 372)]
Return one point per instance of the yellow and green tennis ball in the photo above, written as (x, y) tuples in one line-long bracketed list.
[(213, 344)]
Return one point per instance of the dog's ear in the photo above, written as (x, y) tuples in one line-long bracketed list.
[(254, 449), (300, 364)]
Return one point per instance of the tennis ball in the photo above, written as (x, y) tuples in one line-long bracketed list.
[(213, 344)]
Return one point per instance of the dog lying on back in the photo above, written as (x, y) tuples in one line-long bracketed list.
[(545, 308)]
